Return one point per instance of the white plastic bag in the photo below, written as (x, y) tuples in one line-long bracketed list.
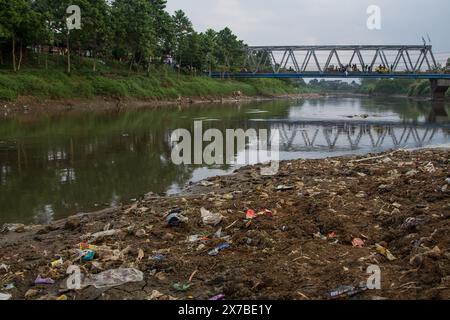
[(210, 218), (114, 277)]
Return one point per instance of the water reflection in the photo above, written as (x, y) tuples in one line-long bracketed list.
[(55, 166)]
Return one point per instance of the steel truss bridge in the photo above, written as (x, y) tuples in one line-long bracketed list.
[(400, 61), (297, 137)]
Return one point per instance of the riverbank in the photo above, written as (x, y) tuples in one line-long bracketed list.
[(158, 85), (32, 92), (295, 244), (31, 106)]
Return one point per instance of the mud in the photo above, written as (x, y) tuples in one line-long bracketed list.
[(29, 106), (299, 247)]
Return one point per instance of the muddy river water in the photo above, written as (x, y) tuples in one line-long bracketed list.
[(53, 166)]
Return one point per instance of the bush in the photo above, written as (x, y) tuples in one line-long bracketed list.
[(7, 94), (108, 87), (420, 88)]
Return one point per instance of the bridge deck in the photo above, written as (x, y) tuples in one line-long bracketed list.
[(350, 75)]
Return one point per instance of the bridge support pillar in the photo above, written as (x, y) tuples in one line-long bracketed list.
[(439, 87)]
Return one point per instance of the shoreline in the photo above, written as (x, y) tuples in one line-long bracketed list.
[(31, 105), (302, 248), (26, 106)]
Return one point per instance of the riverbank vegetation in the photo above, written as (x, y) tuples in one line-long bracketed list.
[(413, 88), (158, 85), (138, 34), (135, 48), (124, 49)]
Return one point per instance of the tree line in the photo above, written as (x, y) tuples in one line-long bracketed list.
[(139, 33)]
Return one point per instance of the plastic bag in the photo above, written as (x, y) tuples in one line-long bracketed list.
[(5, 296), (210, 218), (114, 277)]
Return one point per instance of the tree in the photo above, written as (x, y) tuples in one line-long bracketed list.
[(230, 50), (19, 24), (95, 35), (182, 30), (209, 49), (133, 24), (56, 13), (164, 28)]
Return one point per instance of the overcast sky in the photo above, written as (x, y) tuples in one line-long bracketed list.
[(300, 22)]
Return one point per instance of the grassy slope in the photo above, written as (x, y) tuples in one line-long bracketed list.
[(157, 85)]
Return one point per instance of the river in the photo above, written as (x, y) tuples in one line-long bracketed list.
[(54, 166)]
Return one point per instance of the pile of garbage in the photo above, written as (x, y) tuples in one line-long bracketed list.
[(310, 232)]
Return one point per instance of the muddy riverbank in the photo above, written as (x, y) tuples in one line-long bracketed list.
[(33, 106), (302, 234)]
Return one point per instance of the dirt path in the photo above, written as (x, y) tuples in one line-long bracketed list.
[(299, 245)]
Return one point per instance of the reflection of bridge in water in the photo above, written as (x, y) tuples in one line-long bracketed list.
[(310, 136)]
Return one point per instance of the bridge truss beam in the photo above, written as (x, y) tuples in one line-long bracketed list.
[(259, 58)]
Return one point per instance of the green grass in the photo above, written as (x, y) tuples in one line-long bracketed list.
[(157, 85), (42, 76)]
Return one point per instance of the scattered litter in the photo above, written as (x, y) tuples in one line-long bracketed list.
[(141, 255), (87, 255), (182, 287), (250, 214), (192, 276), (31, 293), (385, 252), (219, 248), (231, 225), (9, 286), (219, 297), (5, 296), (429, 167), (158, 257), (4, 267), (320, 236), (228, 196), (265, 212), (197, 238), (205, 183), (13, 227), (39, 280), (175, 218), (62, 298), (156, 295), (113, 278), (411, 223), (358, 242), (332, 235), (57, 263), (210, 218), (218, 233), (104, 234), (343, 292), (284, 187), (87, 246)]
